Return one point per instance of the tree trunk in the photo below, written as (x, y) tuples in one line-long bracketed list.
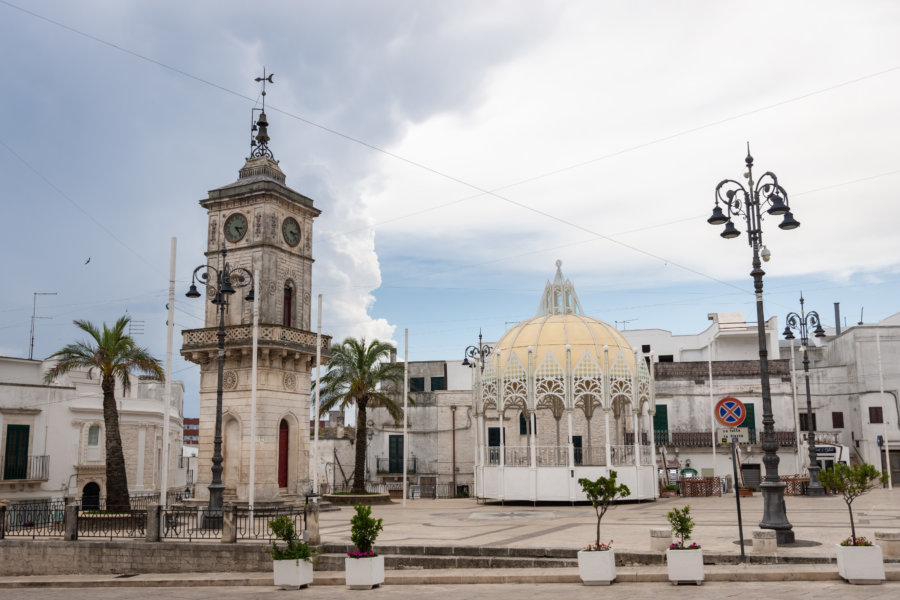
[(116, 477), (359, 470), (852, 526)]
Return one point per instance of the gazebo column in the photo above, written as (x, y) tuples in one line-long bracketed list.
[(635, 425), (570, 445), (533, 421), (502, 441), (606, 441)]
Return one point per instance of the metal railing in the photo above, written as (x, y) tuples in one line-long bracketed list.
[(552, 456), (622, 456), (103, 524), (31, 468), (340, 488), (190, 524), (258, 528), (517, 456), (493, 455), (646, 458), (393, 465), (593, 456), (629, 437), (35, 518)]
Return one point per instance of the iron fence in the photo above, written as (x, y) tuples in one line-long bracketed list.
[(103, 524), (346, 488), (255, 525), (591, 456), (35, 518), (622, 456), (552, 456), (190, 524), (517, 456)]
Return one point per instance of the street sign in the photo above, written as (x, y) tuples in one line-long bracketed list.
[(730, 412)]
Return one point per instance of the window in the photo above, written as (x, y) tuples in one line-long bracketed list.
[(93, 443), (395, 454), (288, 303), (875, 415), (438, 383), (417, 384), (645, 348), (661, 425), (837, 420), (804, 421), (666, 358)]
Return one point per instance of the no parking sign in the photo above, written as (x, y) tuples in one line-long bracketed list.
[(730, 412)]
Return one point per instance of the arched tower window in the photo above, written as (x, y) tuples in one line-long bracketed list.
[(283, 431), (288, 312)]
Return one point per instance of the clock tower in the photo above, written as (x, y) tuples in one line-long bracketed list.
[(266, 227)]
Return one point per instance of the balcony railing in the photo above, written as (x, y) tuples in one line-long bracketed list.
[(29, 468), (687, 439), (385, 465)]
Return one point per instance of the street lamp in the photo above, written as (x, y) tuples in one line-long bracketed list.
[(801, 324), (747, 202), (477, 353), (222, 282)]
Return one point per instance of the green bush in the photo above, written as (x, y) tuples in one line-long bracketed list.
[(682, 523), (294, 548), (364, 529)]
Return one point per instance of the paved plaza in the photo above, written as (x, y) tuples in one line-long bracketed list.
[(819, 523)]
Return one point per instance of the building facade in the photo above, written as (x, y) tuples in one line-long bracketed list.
[(52, 435)]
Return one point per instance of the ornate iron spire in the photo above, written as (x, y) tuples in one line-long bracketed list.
[(259, 145), (559, 297)]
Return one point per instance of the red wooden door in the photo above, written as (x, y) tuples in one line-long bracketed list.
[(283, 454)]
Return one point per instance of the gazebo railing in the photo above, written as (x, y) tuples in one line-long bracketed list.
[(622, 456), (517, 456), (593, 456), (552, 456)]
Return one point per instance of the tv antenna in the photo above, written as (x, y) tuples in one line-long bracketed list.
[(625, 323), (33, 317)]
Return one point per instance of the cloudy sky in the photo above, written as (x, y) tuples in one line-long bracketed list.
[(456, 149)]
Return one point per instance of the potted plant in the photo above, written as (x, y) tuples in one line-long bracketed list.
[(684, 563), (669, 491), (292, 562), (363, 568), (858, 560), (745, 490), (597, 562)]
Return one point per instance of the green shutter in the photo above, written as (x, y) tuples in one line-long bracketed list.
[(661, 418)]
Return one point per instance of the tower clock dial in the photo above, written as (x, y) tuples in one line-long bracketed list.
[(235, 227), (291, 231)]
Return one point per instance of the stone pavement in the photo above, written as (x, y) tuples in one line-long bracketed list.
[(819, 523)]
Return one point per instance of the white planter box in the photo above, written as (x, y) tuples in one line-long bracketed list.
[(292, 573), (685, 565), (364, 573), (597, 567), (860, 564)]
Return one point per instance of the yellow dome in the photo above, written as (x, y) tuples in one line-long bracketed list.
[(555, 333)]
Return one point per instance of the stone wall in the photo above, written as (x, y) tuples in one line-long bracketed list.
[(55, 557)]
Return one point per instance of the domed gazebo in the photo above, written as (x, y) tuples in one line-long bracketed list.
[(562, 373)]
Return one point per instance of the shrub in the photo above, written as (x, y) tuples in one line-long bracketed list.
[(294, 548), (682, 526), (363, 531)]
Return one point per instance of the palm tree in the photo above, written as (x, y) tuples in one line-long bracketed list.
[(361, 375), (114, 355)]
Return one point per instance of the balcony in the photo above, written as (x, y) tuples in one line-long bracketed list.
[(388, 466), (25, 468), (697, 439)]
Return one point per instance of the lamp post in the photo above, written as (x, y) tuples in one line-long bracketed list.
[(477, 353), (222, 281), (747, 202), (801, 323)]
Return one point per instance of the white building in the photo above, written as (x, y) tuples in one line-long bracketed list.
[(52, 436)]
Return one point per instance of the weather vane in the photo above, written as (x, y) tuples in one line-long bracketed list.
[(259, 144)]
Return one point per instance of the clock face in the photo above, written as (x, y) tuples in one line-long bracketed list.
[(235, 227), (291, 231)]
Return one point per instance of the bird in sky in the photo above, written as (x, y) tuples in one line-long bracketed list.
[(88, 260)]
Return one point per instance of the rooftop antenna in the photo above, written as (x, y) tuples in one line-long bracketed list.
[(860, 315), (33, 317), (259, 144), (624, 323)]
